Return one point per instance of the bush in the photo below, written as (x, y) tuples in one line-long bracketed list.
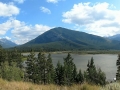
[(11, 72)]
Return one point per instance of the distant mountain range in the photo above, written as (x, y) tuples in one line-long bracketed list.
[(65, 39), (7, 43), (115, 37)]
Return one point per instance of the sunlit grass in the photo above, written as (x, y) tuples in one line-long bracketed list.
[(112, 86), (5, 85), (13, 85)]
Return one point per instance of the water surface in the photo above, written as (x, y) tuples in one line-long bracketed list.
[(107, 62)]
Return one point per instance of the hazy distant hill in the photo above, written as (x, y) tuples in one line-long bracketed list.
[(7, 43), (65, 39), (115, 37)]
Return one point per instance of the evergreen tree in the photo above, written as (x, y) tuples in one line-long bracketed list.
[(68, 70), (15, 56), (31, 69), (101, 77), (91, 71), (80, 77), (118, 68), (74, 74), (3, 56), (95, 76), (59, 74), (50, 70), (42, 68)]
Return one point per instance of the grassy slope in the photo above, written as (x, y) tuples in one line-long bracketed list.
[(5, 85)]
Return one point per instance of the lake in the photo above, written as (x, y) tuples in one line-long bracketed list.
[(107, 62)]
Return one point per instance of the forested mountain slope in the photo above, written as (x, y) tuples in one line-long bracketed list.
[(65, 39)]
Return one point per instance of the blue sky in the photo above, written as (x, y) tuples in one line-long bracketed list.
[(23, 20)]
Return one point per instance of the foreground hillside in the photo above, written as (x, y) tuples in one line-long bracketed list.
[(5, 85)]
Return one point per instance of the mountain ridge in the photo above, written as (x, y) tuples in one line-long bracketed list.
[(65, 39), (5, 43), (114, 37)]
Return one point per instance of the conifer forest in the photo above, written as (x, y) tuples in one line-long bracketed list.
[(40, 70)]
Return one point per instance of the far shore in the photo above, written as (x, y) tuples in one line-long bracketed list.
[(83, 52)]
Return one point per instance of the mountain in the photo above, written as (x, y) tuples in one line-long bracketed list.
[(65, 39), (7, 43), (115, 37)]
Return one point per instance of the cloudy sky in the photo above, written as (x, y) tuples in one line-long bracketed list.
[(23, 20)]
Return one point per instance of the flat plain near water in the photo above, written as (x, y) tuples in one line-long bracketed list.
[(107, 62)]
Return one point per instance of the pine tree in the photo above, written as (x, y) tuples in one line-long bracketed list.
[(91, 71), (80, 77), (74, 74), (95, 76), (68, 70), (59, 74), (42, 67), (31, 69), (101, 77), (3, 55), (118, 68), (50, 70), (15, 56)]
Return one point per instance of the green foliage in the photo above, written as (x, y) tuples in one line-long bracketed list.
[(101, 77), (93, 75), (59, 74), (68, 69), (3, 56), (40, 69), (11, 72), (118, 68), (80, 77), (74, 74), (15, 56), (50, 70), (9, 68), (31, 67)]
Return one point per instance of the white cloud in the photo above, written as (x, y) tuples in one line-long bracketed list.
[(52, 1), (100, 18), (45, 10), (25, 33), (22, 32), (19, 1), (4, 27), (8, 38), (7, 10)]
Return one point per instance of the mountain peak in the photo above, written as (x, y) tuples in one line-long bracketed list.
[(60, 38), (5, 43), (115, 37)]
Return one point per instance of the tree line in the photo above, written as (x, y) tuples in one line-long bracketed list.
[(40, 70)]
